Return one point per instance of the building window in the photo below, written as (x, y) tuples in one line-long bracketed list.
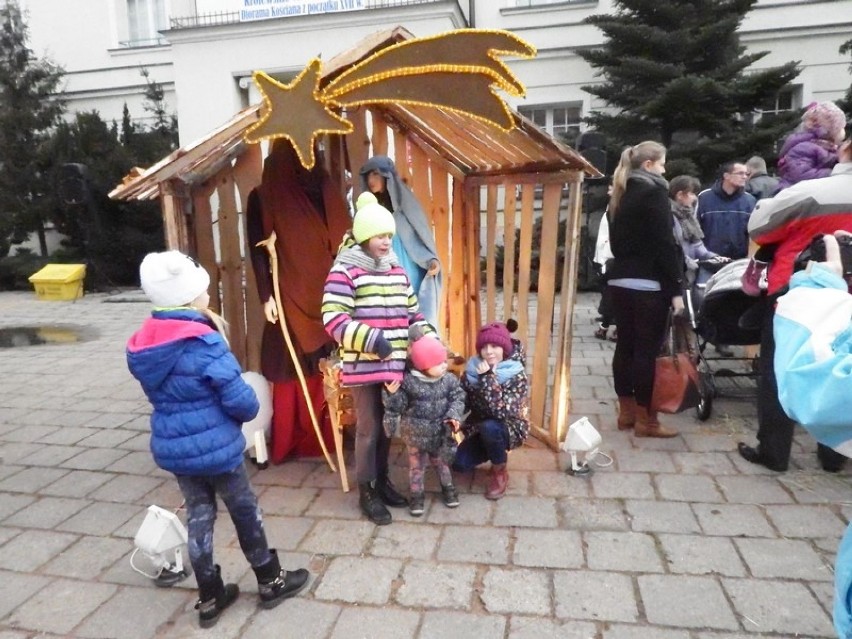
[(786, 100), (538, 3), (145, 18), (562, 121)]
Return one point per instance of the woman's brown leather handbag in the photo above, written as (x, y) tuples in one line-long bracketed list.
[(676, 379)]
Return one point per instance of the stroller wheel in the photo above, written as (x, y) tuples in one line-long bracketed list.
[(705, 404)]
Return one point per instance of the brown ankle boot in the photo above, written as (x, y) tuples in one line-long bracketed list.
[(648, 426), (626, 413), (498, 483)]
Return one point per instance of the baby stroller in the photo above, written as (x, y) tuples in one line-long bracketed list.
[(722, 314)]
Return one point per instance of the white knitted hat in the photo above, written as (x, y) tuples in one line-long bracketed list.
[(172, 278), (371, 218)]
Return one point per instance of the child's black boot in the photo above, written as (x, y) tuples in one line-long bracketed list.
[(275, 584), (213, 597)]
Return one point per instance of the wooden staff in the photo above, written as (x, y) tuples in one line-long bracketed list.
[(269, 245)]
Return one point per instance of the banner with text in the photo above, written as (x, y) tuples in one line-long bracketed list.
[(266, 9)]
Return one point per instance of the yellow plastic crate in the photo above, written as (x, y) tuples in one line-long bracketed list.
[(58, 282)]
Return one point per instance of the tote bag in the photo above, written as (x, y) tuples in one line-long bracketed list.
[(676, 380)]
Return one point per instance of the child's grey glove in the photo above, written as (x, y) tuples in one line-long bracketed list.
[(382, 347)]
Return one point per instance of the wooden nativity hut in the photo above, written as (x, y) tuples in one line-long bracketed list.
[(483, 188)]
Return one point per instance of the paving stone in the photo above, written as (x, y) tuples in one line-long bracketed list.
[(87, 558), (538, 628), (532, 457), (405, 541), (771, 606), (95, 458), (622, 485), (783, 559), (701, 555), (19, 453), (149, 608), (6, 533), (286, 533), (63, 604), (48, 456), (338, 537), (29, 550), (818, 488), (136, 463), (298, 618), (593, 514), (100, 518), (125, 488), (806, 521), (733, 520), (12, 503), (335, 503), (644, 461), (558, 484), (547, 548), (101, 437), (28, 433), (30, 480), (619, 631), (184, 625), (603, 596), (358, 580), (535, 512), (281, 500), (675, 444), (473, 511), (711, 463), (698, 488), (706, 440), (700, 601), (376, 623), (473, 544), (441, 625), (9, 634), (753, 490), (46, 513), (622, 551), (519, 590), (824, 593), (291, 473), (16, 588), (659, 516), (436, 585), (76, 483)]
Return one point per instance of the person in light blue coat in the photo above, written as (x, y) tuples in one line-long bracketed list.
[(813, 365)]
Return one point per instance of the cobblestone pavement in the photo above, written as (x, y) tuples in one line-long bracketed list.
[(678, 539)]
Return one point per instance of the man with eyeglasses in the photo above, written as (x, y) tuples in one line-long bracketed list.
[(723, 212)]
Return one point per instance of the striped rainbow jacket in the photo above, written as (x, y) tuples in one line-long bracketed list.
[(358, 305)]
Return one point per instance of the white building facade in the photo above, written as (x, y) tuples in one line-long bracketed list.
[(203, 51)]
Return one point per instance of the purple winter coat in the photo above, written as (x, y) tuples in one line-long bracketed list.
[(805, 155)]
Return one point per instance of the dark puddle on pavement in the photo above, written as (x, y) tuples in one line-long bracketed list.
[(15, 336)]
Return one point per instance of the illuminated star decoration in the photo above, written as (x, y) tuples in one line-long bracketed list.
[(295, 111), (458, 71)]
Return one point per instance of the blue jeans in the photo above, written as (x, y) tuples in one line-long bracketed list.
[(234, 489), (489, 443)]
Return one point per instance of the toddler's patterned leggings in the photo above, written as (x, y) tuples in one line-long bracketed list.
[(417, 467)]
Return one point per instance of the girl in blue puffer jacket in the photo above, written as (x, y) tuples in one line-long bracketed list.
[(182, 359)]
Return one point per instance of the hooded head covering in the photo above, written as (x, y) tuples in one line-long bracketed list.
[(828, 117), (172, 278), (371, 219), (427, 352)]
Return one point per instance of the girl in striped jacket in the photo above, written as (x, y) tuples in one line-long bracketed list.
[(368, 307)]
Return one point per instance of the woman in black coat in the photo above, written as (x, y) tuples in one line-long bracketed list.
[(645, 280)]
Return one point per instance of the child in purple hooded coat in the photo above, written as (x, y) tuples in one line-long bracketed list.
[(808, 153)]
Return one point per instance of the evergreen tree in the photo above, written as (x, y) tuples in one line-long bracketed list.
[(29, 109), (846, 102), (676, 72)]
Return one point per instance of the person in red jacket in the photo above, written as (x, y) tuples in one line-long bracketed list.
[(790, 220)]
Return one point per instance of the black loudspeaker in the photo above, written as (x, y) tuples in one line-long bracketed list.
[(73, 187), (596, 157), (590, 140)]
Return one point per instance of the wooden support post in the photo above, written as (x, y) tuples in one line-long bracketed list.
[(454, 280), (380, 133), (233, 303), (491, 253), (525, 259), (203, 223), (509, 204), (473, 271), (544, 307), (358, 146), (562, 375)]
